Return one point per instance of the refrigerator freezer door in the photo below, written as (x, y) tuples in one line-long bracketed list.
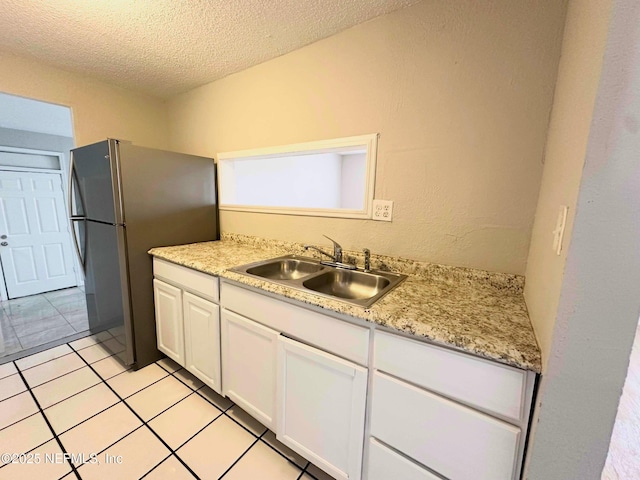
[(106, 282), (96, 182)]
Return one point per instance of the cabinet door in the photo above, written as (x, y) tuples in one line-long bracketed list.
[(249, 366), (385, 464), (169, 324), (456, 441), (321, 407), (202, 339)]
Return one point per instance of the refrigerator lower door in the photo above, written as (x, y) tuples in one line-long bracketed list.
[(106, 282)]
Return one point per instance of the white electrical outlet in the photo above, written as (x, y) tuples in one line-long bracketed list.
[(382, 210)]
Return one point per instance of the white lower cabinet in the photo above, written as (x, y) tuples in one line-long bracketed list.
[(456, 441), (385, 464), (434, 413), (249, 366), (321, 407), (202, 339), (188, 325), (169, 322)]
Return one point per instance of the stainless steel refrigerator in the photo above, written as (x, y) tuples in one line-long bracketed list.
[(124, 200)]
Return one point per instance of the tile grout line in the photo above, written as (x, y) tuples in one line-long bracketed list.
[(224, 412), (259, 438), (56, 358), (73, 468), (143, 422), (170, 406), (59, 313), (2, 465), (71, 371), (71, 396), (88, 418), (119, 440), (41, 319), (10, 325), (38, 364), (282, 454), (37, 353), (97, 413), (304, 470), (13, 329), (200, 430), (14, 395), (101, 380), (243, 454), (18, 421), (156, 466), (20, 338), (59, 376), (18, 370)]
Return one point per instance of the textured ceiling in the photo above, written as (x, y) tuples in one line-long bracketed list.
[(164, 47)]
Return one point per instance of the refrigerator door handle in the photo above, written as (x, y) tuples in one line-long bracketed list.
[(70, 192), (73, 182), (75, 218), (75, 239)]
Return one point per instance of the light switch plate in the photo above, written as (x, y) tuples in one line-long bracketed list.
[(382, 210), (558, 233)]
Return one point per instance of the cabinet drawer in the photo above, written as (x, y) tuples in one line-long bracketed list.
[(455, 441), (342, 338), (385, 464), (487, 385), (188, 279)]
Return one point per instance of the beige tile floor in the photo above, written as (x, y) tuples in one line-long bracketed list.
[(35, 320), (63, 405)]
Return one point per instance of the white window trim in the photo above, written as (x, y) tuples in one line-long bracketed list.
[(32, 151), (369, 141)]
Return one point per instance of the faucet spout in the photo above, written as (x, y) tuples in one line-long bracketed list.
[(311, 247), (336, 257)]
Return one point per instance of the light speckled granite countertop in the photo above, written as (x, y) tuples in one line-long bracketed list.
[(471, 310)]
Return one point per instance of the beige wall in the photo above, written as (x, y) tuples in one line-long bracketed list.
[(99, 110), (460, 92), (578, 77)]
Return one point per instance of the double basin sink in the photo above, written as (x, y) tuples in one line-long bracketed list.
[(307, 274)]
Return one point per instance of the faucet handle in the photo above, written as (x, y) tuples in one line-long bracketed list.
[(367, 259), (337, 249), (332, 240)]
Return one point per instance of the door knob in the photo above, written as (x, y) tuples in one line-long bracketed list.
[(4, 244), (3, 237)]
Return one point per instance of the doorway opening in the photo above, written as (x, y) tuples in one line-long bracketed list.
[(42, 300)]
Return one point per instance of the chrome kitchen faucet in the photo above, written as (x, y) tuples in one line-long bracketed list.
[(336, 257)]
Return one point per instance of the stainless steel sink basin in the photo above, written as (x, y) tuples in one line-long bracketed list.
[(348, 284), (309, 275), (285, 269)]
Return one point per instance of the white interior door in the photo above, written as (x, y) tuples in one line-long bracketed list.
[(38, 255)]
